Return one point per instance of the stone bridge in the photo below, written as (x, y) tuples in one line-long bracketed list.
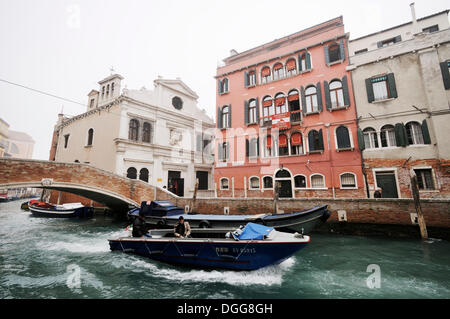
[(112, 190)]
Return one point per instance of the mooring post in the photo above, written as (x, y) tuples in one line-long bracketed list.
[(416, 196), (194, 197), (275, 198)]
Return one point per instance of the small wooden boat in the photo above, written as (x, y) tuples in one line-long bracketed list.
[(249, 248), (164, 214), (70, 210)]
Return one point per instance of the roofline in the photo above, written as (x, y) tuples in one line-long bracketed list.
[(401, 25), (341, 18)]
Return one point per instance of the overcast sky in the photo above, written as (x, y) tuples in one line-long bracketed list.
[(66, 47)]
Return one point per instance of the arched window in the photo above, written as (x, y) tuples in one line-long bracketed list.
[(143, 175), (283, 174), (225, 117), (317, 181), (294, 106), (147, 132), (370, 138), (224, 184), (348, 180), (315, 141), (265, 75), (387, 136), (268, 147), (268, 109), (278, 71), (225, 85), (312, 104), (112, 88), (414, 133), (107, 90), (291, 67), (254, 182), (90, 137), (268, 182), (252, 118), (283, 145), (343, 137), (336, 94), (297, 144), (132, 173), (133, 132), (280, 104), (300, 181)]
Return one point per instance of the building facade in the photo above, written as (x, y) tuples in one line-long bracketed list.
[(159, 136), (4, 128), (401, 84), (286, 116)]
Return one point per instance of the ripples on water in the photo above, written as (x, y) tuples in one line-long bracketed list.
[(35, 254)]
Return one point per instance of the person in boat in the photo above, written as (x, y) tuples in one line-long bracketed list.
[(182, 228), (140, 228)]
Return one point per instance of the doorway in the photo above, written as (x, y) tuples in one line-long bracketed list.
[(175, 183), (283, 177), (388, 184)]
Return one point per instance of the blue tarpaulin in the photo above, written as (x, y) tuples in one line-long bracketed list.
[(252, 232)]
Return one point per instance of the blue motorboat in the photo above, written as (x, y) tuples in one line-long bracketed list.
[(247, 248), (164, 214), (70, 210)]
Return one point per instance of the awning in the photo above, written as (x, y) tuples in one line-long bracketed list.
[(278, 66), (269, 141), (296, 139), (280, 101), (265, 72), (293, 97), (291, 65), (267, 103), (283, 141)]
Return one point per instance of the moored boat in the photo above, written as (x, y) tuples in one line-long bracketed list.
[(253, 247), (70, 210), (164, 214)]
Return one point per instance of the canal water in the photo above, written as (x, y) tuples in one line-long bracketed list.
[(56, 258)]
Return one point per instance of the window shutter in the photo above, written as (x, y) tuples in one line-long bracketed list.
[(400, 135), (326, 88), (220, 86), (246, 79), (445, 75), (398, 39), (361, 143), (342, 49), (220, 152), (369, 88), (345, 90), (247, 148), (303, 97), (343, 137), (308, 61), (300, 62), (227, 148), (321, 140), (219, 117), (257, 147), (426, 132), (246, 115), (229, 116), (319, 97), (327, 55), (391, 85), (311, 141), (380, 44), (257, 109)]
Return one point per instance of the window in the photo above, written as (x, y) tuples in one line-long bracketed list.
[(252, 146), (317, 181), (177, 103), (66, 140), (224, 184), (294, 106), (280, 104), (312, 104), (304, 61), (414, 133), (278, 71), (202, 177), (103, 92), (107, 90), (389, 42), (223, 152), (143, 175), (315, 141), (268, 182), (268, 109), (387, 136), (431, 29), (381, 88), (112, 88), (348, 180), (343, 138), (268, 146), (296, 144), (252, 112), (133, 132), (300, 181), (265, 75), (223, 86), (91, 105), (226, 117), (361, 51), (335, 53), (336, 94), (132, 173), (283, 146), (370, 138), (291, 67), (425, 179), (147, 133), (90, 137), (254, 183), (250, 78)]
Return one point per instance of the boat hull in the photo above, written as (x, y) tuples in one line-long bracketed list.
[(82, 212), (233, 255)]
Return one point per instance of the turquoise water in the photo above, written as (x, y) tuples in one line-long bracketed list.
[(39, 258)]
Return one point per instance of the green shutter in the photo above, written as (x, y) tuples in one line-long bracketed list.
[(392, 87), (246, 115), (220, 86), (426, 132), (220, 152), (311, 141), (247, 148), (257, 147), (300, 62), (319, 97), (445, 74), (400, 135), (257, 110), (229, 115), (219, 117), (345, 90), (308, 61), (246, 80), (227, 147), (303, 97), (321, 140), (326, 88), (369, 89), (342, 49), (361, 143), (327, 54)]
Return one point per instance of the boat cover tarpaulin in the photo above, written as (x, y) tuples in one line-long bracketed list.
[(252, 232)]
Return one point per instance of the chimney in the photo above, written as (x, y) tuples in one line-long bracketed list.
[(415, 29)]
